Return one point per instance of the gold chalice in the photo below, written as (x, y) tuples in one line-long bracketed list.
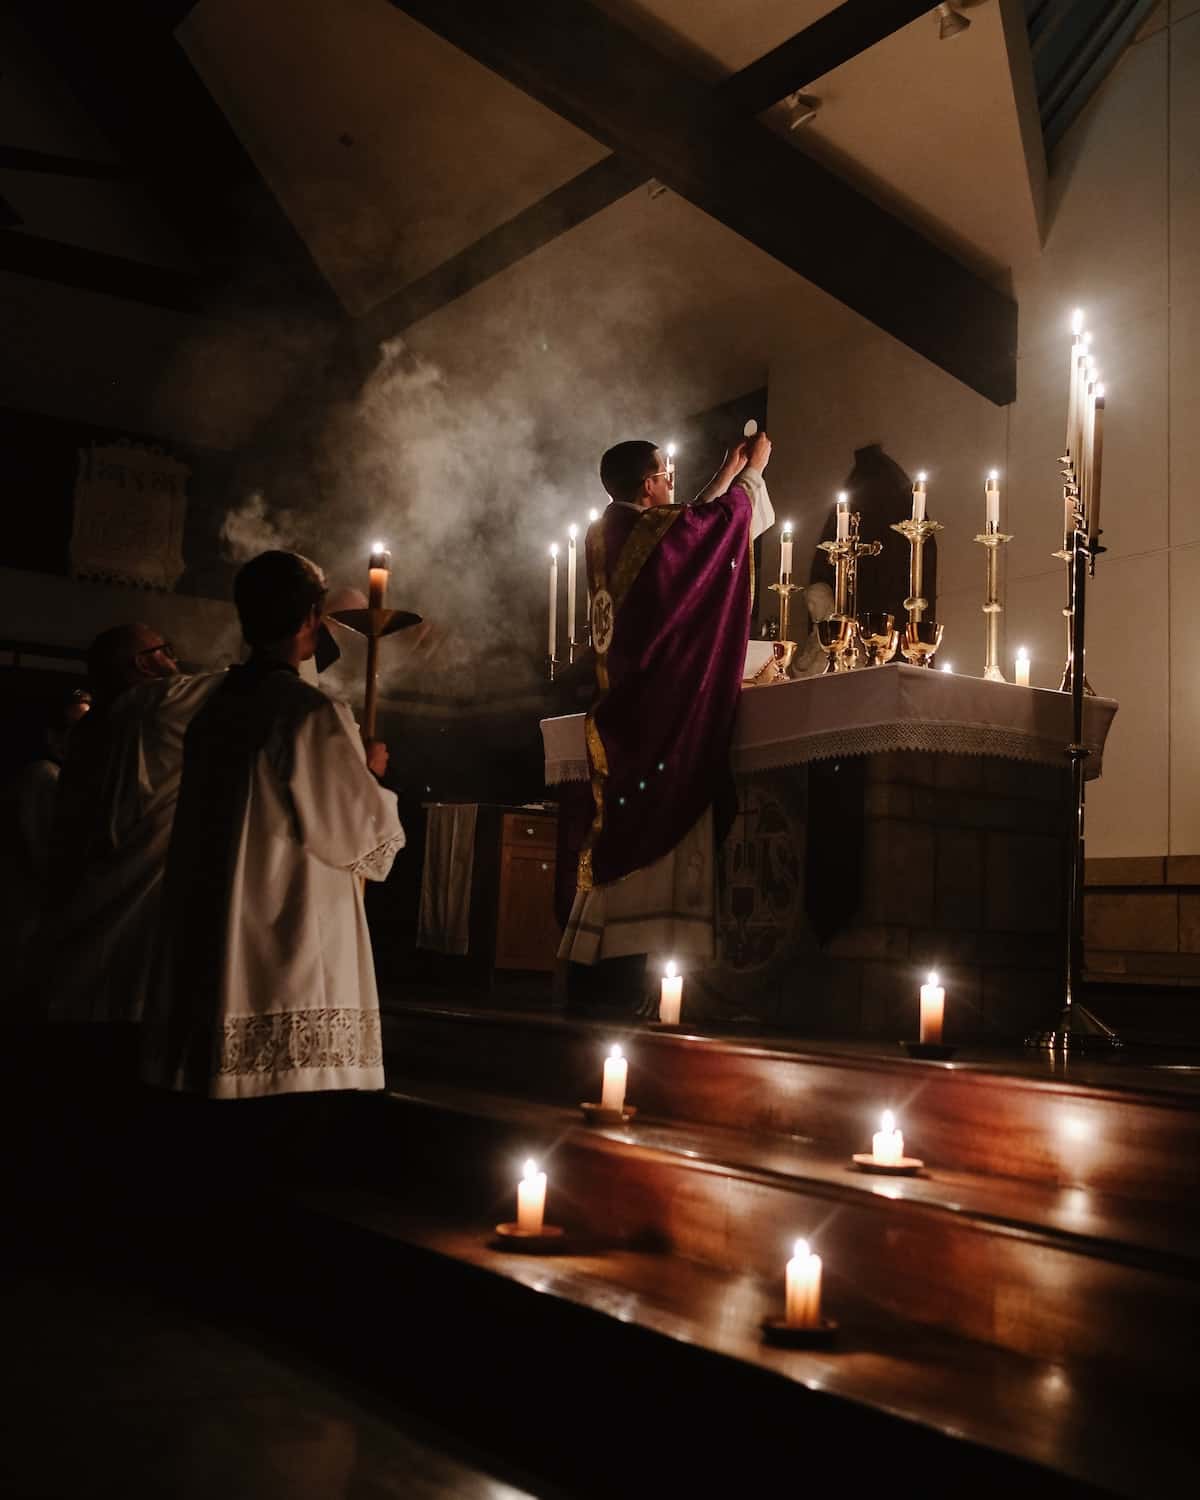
[(921, 640), (775, 668), (879, 635), (838, 637)]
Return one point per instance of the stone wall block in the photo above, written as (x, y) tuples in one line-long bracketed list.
[(1023, 891), (958, 878), (1189, 921), (898, 868), (959, 773), (1145, 921)]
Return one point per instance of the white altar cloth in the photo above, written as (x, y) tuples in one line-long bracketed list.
[(896, 707)]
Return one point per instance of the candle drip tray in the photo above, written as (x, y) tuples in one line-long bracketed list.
[(596, 1114), (933, 1051), (779, 1331), (549, 1240), (907, 1166)]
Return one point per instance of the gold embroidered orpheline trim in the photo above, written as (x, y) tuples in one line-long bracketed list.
[(649, 529)]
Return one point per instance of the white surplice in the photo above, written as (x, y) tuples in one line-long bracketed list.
[(668, 907), (265, 982), (111, 850)]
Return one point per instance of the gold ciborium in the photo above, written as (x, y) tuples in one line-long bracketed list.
[(921, 640), (877, 631), (839, 640)]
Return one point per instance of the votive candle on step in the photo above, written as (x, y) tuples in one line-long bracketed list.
[(933, 1004), (1021, 668), (803, 1305), (616, 1070), (531, 1199), (672, 996), (887, 1144)]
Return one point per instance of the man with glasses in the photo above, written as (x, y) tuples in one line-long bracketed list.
[(116, 805), (670, 587)]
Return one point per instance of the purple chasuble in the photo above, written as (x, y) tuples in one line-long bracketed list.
[(670, 618)]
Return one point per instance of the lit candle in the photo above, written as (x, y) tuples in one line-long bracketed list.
[(1073, 387), (933, 1004), (552, 637), (531, 1199), (918, 511), (887, 1144), (672, 996), (843, 516), (671, 468), (947, 667), (377, 575), (593, 514), (572, 533), (803, 1308), (785, 554), (992, 498), (1094, 473), (1021, 670), (616, 1070)]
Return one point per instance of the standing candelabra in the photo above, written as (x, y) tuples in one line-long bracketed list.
[(993, 605), (839, 635), (921, 637)]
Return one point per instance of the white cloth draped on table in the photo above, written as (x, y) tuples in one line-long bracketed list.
[(444, 921), (896, 707)]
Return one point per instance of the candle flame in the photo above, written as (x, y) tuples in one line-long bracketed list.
[(933, 979), (615, 1051), (843, 497), (922, 476), (1022, 653), (787, 530), (888, 1123), (572, 531), (1100, 392), (553, 549), (531, 1168), (946, 667), (800, 1249), (670, 450), (1077, 321), (993, 473), (671, 969), (377, 547), (1087, 339), (593, 514)]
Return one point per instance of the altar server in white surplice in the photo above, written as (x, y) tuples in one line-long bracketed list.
[(265, 982)]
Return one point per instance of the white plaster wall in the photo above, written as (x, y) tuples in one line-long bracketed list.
[(1123, 240)]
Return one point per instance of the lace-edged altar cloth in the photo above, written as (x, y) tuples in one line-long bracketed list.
[(896, 707)]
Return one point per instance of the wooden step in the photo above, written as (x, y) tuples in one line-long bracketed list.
[(1115, 1128), (630, 1372), (1050, 1273)]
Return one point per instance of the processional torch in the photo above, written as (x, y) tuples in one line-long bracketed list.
[(1077, 1029), (374, 623)]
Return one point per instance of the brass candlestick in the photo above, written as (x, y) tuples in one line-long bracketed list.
[(843, 556), (785, 588), (993, 607), (916, 532)]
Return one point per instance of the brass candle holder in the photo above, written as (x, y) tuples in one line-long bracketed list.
[(993, 606), (785, 588), (917, 533), (845, 648), (1073, 522)]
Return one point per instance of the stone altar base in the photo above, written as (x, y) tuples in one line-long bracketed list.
[(842, 882)]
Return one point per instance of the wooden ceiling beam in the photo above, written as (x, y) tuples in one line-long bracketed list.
[(577, 61)]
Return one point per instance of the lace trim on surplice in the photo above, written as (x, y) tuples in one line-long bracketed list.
[(375, 866), (287, 1041)]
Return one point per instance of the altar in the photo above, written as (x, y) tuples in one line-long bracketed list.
[(889, 822)]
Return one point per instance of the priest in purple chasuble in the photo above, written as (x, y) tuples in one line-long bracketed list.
[(671, 597)]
